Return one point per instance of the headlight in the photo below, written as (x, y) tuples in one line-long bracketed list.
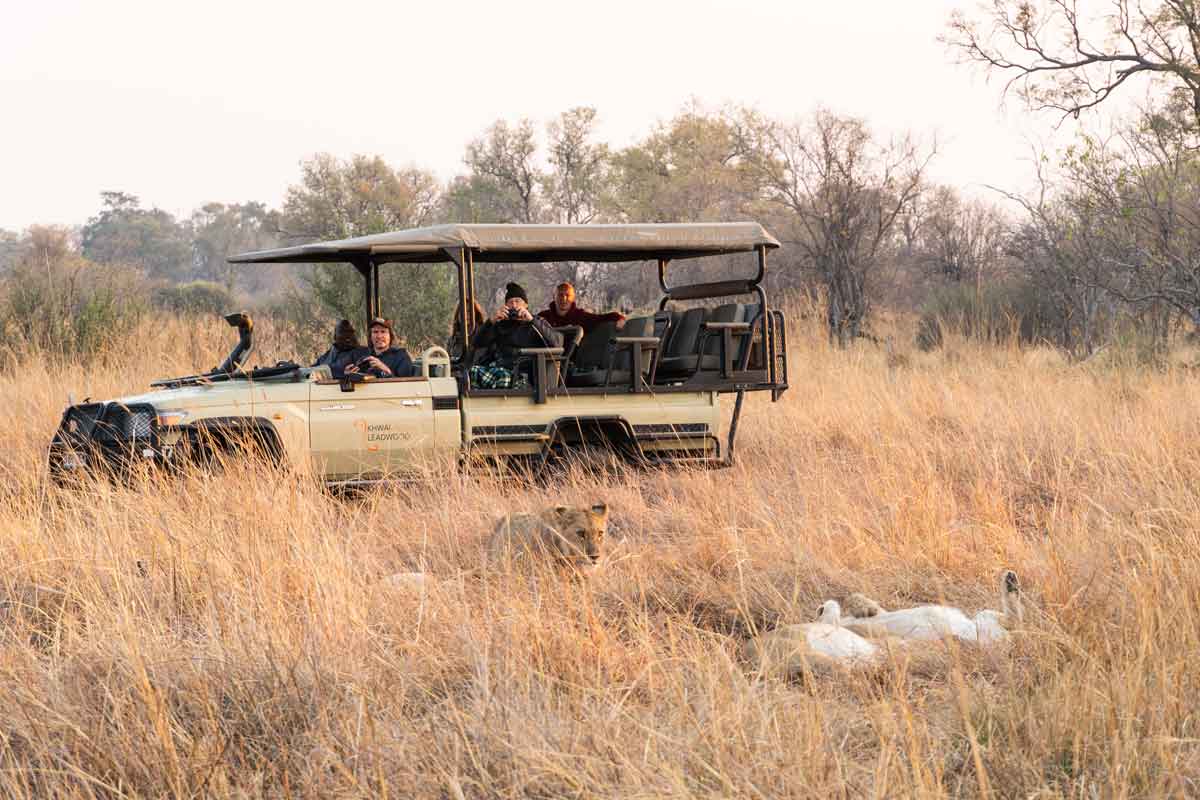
[(171, 417)]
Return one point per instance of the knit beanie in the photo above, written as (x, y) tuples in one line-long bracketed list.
[(515, 290)]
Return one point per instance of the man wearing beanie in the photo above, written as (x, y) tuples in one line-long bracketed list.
[(495, 344)]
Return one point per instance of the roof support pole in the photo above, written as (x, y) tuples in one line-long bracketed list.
[(768, 319), (469, 262), (364, 268), (458, 255), (376, 310)]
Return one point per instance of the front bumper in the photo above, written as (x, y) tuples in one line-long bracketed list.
[(106, 438)]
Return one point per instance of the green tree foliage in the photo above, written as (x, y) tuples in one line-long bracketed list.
[(220, 230), (336, 199), (364, 195), (688, 170), (503, 169), (578, 168), (57, 300), (474, 199), (9, 249), (149, 239), (194, 297)]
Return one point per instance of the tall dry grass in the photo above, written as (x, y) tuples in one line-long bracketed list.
[(226, 635)]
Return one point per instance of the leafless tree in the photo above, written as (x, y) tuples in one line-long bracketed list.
[(1059, 58), (959, 240), (846, 193), (1065, 256), (1146, 183)]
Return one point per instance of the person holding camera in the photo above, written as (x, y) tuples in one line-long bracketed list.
[(381, 359), (496, 364)]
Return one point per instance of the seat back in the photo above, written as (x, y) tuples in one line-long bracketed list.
[(684, 336), (572, 336), (637, 326), (662, 327), (730, 312), (592, 352)]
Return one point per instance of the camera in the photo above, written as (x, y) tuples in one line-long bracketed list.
[(363, 363), (514, 313)]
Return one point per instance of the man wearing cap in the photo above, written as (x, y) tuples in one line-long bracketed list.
[(563, 311), (497, 341), (381, 358)]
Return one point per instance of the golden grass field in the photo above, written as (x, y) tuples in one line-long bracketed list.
[(253, 651)]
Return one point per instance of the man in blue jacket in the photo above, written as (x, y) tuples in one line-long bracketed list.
[(382, 359)]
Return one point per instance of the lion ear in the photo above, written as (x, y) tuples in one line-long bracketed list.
[(600, 509), (561, 510)]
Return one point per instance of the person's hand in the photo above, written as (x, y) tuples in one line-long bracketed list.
[(620, 324), (524, 315), (351, 368), (501, 314), (375, 363)]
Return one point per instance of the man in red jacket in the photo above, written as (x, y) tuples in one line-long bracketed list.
[(563, 311)]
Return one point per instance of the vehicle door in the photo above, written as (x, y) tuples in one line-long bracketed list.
[(381, 427)]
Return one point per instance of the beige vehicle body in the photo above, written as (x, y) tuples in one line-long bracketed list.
[(347, 432)]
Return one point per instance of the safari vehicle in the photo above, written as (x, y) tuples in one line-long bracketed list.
[(651, 391)]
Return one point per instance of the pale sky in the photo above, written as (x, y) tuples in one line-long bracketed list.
[(183, 104)]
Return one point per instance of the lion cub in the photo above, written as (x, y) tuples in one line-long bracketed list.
[(573, 535)]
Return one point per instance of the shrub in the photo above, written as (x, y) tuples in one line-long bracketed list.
[(195, 297), (56, 300), (997, 313)]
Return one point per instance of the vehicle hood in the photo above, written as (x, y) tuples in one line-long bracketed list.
[(217, 394)]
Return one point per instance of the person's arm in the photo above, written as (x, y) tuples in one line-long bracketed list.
[(587, 319)]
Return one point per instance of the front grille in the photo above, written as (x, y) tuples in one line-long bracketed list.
[(104, 436), (125, 423)]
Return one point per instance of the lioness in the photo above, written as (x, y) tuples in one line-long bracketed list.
[(575, 535)]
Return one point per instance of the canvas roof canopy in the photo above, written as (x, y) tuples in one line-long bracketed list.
[(531, 243)]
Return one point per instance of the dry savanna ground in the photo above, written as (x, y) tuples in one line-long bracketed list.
[(227, 635)]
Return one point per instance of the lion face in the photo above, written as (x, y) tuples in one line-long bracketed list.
[(582, 532)]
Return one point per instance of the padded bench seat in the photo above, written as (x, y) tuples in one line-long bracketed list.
[(605, 358)]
